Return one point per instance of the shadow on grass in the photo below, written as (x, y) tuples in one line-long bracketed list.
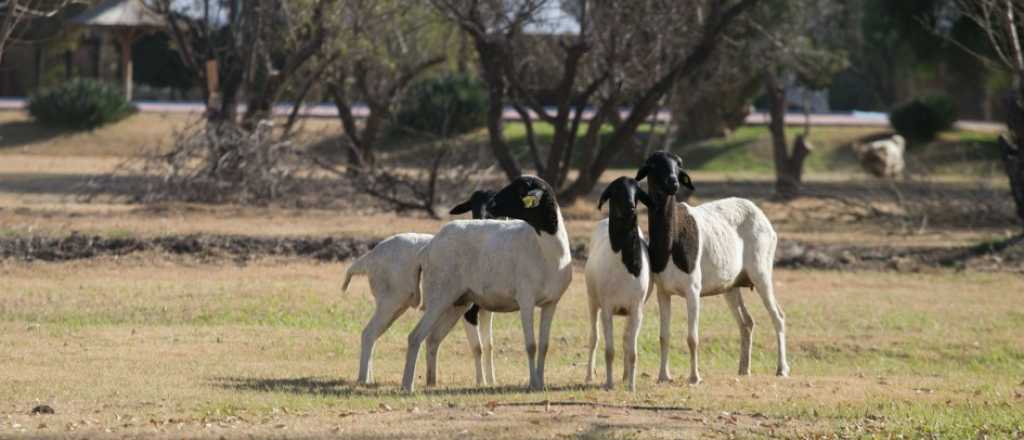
[(318, 386), (24, 133), (74, 184)]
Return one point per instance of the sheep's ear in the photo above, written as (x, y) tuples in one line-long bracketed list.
[(684, 179), (642, 172), (679, 160), (604, 197), (644, 198), (462, 208)]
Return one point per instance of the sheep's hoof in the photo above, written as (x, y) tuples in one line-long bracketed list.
[(694, 380), (664, 378), (744, 371), (609, 386), (782, 372)]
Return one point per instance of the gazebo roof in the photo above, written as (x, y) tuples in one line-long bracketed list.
[(119, 13)]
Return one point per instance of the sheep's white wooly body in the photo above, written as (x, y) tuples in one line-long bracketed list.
[(613, 290), (502, 266), (493, 260), (618, 289), (733, 235), (392, 269)]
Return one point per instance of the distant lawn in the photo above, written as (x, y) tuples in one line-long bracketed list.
[(749, 150)]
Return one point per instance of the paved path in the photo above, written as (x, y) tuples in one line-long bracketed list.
[(850, 119)]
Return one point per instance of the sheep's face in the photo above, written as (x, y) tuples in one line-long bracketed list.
[(623, 194), (527, 198), (476, 203), (664, 172)]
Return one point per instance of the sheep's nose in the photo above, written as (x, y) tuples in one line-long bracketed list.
[(672, 186)]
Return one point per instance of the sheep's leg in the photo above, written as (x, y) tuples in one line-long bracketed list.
[(591, 367), (486, 332), (609, 347), (692, 338), (763, 285), (526, 316), (746, 324), (629, 342), (381, 321), (441, 329), (547, 316), (665, 338), (473, 337), (416, 337)]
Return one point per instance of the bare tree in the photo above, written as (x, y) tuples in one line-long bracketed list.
[(1001, 22), (494, 26), (624, 54), (382, 47), (16, 14), (793, 51)]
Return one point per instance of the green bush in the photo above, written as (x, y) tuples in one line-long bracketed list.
[(79, 104), (921, 119), (444, 106)]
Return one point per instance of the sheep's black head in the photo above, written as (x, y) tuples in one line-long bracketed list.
[(530, 199), (665, 173), (623, 194), (477, 203)]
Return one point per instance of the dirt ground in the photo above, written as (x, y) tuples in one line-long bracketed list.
[(146, 345)]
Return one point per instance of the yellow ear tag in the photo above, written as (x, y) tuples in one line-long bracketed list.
[(531, 201)]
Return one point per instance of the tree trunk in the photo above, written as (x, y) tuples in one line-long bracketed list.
[(359, 151), (490, 65), (1013, 157), (788, 166)]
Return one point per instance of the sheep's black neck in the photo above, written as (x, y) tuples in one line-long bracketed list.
[(545, 216), (661, 224), (673, 234), (625, 239)]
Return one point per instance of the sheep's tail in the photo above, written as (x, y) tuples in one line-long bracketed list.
[(421, 259), (358, 267)]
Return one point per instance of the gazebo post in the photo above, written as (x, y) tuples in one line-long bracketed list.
[(126, 37)]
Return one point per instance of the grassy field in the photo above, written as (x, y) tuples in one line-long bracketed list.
[(146, 345), (172, 346)]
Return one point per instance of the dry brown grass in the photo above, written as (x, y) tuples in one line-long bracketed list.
[(150, 346)]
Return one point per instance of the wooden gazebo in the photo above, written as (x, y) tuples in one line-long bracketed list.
[(126, 21)]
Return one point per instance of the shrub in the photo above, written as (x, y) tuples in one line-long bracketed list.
[(444, 106), (79, 104), (921, 119)]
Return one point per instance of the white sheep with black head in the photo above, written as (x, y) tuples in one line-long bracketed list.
[(501, 266), (715, 248), (618, 275), (393, 273)]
